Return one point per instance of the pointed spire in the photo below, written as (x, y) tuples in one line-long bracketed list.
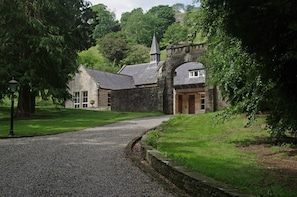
[(155, 50), (155, 46)]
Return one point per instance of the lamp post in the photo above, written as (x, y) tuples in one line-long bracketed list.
[(12, 85)]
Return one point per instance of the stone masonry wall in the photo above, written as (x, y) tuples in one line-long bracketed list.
[(140, 99), (214, 100), (176, 56), (103, 99)]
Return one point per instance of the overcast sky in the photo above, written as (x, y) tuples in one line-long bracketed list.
[(120, 6)]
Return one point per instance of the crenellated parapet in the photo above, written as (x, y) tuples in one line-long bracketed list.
[(182, 49), (180, 54)]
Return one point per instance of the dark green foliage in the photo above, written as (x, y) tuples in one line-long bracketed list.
[(139, 27), (238, 76), (163, 16), (114, 47), (136, 54), (39, 41), (175, 34), (266, 31), (106, 21), (192, 20)]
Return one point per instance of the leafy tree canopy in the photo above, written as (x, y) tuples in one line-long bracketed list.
[(266, 31), (114, 47), (192, 20), (163, 16), (175, 34), (92, 58), (139, 27), (41, 52), (106, 21), (136, 54)]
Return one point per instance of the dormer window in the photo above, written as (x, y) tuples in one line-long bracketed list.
[(196, 73)]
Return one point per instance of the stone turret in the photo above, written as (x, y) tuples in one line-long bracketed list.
[(155, 51)]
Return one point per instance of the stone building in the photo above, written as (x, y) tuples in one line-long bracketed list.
[(189, 88), (92, 88), (176, 85)]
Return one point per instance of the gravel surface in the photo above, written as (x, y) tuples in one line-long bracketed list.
[(85, 163)]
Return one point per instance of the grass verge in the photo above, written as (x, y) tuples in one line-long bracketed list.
[(216, 151), (49, 120)]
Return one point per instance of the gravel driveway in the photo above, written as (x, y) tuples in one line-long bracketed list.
[(85, 163)]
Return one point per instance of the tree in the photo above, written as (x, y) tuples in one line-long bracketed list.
[(266, 30), (136, 54), (114, 47), (106, 21), (189, 8), (91, 58), (163, 16), (237, 74), (41, 52), (192, 21), (138, 27), (174, 34)]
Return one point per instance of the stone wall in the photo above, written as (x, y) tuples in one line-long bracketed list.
[(103, 99), (220, 102), (176, 56), (214, 100), (194, 183), (140, 99), (210, 100)]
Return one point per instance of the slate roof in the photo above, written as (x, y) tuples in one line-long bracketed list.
[(182, 74), (143, 74), (111, 81)]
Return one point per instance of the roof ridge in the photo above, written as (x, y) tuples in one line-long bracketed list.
[(105, 72), (141, 64)]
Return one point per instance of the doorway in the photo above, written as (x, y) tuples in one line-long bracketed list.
[(191, 104), (180, 104)]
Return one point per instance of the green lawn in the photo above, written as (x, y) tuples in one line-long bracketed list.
[(214, 151), (49, 120)]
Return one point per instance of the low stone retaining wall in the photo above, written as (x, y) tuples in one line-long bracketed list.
[(193, 183)]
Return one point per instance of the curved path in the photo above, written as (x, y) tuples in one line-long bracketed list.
[(90, 162)]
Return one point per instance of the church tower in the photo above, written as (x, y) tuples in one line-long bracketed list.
[(155, 51)]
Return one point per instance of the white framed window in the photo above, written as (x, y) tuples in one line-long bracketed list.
[(85, 99), (76, 99), (202, 101), (196, 73)]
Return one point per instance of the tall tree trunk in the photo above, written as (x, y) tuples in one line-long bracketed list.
[(26, 103)]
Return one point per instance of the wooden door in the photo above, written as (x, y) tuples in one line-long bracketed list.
[(180, 104), (191, 104)]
